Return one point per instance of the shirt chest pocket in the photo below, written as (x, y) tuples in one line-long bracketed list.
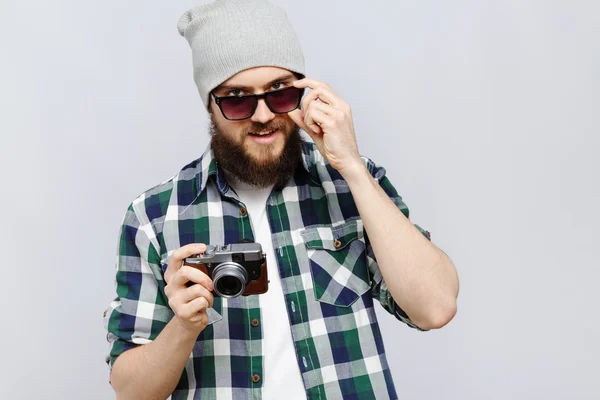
[(337, 257)]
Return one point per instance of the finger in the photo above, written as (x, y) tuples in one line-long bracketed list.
[(177, 257), (310, 83), (327, 109), (196, 291), (321, 86), (298, 117), (315, 118), (192, 308), (306, 123), (200, 317), (190, 274), (324, 95), (335, 115)]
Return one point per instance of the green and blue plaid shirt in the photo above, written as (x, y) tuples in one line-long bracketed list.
[(328, 286)]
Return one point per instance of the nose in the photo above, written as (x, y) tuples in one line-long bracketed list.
[(262, 113)]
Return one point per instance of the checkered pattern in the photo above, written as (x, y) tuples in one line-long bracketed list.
[(326, 264)]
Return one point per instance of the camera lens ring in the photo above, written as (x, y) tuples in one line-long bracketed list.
[(231, 271)]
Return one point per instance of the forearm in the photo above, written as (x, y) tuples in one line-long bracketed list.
[(153, 370), (420, 277)]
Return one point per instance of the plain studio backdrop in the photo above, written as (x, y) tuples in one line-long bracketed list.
[(485, 115)]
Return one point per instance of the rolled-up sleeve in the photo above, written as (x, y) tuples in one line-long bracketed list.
[(140, 310), (379, 288)]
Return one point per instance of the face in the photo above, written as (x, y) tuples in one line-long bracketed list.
[(265, 148)]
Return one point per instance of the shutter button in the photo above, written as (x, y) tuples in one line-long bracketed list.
[(210, 249)]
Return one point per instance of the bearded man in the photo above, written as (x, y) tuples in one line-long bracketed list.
[(282, 170)]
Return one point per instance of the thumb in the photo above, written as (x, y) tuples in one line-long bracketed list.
[(297, 116)]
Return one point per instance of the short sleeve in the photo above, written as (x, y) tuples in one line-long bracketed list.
[(140, 310), (379, 288)]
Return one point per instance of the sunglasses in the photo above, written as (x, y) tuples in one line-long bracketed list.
[(282, 101)]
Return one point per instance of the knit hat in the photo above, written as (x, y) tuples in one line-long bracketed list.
[(229, 36)]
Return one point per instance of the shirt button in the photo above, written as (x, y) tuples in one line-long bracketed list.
[(255, 378), (337, 244), (244, 212), (255, 322)]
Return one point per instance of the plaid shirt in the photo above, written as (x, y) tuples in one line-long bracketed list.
[(327, 267)]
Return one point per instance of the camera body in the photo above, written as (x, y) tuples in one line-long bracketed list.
[(238, 269)]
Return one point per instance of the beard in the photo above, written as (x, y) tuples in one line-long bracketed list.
[(264, 169)]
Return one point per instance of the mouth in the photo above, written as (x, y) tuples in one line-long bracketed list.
[(264, 137), (263, 133)]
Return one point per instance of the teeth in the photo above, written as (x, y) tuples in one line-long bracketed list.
[(264, 133)]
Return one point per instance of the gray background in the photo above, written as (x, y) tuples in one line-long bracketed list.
[(485, 115)]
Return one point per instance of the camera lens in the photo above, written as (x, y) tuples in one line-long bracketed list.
[(230, 279), (229, 286)]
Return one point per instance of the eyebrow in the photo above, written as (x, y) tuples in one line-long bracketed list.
[(249, 89)]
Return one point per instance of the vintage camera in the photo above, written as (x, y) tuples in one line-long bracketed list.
[(236, 269)]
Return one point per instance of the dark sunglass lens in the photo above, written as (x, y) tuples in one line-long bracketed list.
[(285, 100), (237, 107)]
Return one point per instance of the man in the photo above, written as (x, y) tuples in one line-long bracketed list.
[(335, 232)]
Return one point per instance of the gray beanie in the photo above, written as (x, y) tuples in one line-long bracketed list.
[(229, 36)]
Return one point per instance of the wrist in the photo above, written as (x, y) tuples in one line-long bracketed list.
[(355, 173), (185, 333)]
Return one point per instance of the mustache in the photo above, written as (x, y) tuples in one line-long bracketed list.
[(260, 127)]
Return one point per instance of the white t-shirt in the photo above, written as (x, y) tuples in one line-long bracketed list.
[(282, 377)]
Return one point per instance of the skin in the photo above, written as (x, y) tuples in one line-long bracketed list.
[(152, 371), (420, 277), (245, 83)]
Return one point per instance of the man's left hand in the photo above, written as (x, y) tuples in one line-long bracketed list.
[(328, 120)]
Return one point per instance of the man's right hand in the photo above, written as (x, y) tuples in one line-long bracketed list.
[(165, 357), (188, 303)]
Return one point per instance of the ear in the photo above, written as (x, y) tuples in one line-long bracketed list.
[(212, 107)]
